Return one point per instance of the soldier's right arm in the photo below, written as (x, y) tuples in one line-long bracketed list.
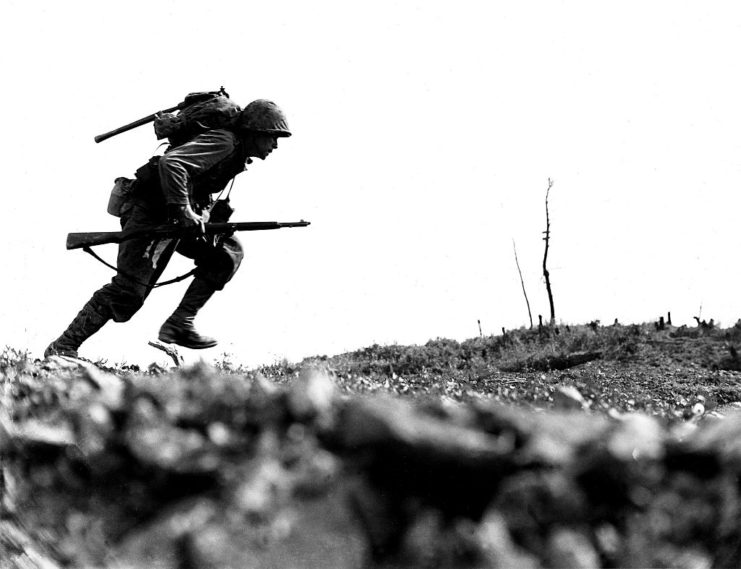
[(180, 165)]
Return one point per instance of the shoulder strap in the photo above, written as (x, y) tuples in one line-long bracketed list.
[(93, 254)]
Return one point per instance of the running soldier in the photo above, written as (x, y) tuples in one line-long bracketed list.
[(177, 188)]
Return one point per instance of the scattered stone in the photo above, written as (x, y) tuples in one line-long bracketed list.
[(498, 546), (716, 443), (111, 386), (381, 517), (531, 503), (60, 363), (568, 398), (311, 396), (157, 544), (692, 558), (94, 430), (219, 434), (264, 484), (19, 550), (636, 437), (265, 406), (570, 549), (36, 436), (316, 473), (559, 439), (7, 431), (157, 443), (262, 389)]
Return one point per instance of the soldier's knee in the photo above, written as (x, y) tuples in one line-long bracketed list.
[(226, 263), (234, 251), (235, 261), (122, 303), (124, 307), (217, 279), (218, 274), (123, 312)]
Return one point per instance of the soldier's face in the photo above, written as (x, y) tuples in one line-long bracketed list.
[(264, 145)]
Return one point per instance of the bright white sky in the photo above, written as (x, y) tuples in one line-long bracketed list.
[(424, 136)]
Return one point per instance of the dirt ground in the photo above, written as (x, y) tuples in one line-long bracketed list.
[(582, 446)]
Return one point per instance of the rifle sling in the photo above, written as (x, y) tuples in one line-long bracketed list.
[(89, 250)]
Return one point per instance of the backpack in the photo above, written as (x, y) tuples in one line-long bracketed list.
[(197, 113)]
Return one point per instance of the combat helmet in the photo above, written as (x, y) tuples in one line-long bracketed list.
[(265, 116)]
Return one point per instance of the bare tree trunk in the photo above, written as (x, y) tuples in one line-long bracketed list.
[(547, 238), (522, 282)]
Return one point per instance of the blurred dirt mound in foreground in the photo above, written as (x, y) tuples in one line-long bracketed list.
[(201, 469)]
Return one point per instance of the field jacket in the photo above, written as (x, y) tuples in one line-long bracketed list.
[(190, 173)]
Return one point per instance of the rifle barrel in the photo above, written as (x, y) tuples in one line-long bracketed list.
[(132, 125), (252, 226), (90, 239)]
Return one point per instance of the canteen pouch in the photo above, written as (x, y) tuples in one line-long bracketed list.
[(120, 199)]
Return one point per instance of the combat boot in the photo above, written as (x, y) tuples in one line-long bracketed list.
[(88, 321), (178, 328)]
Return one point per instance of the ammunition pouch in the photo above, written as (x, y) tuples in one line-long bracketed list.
[(149, 174), (221, 211)]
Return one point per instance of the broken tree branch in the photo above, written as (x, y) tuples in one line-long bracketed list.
[(549, 363), (547, 239), (522, 282), (170, 351)]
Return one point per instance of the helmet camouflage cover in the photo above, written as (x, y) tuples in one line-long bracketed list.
[(264, 116)]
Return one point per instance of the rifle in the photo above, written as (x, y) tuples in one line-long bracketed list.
[(86, 240), (189, 100)]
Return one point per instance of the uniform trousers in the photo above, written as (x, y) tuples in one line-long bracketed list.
[(143, 260)]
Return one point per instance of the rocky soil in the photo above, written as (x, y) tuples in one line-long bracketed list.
[(588, 446)]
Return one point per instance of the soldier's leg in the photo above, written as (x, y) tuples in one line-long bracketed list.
[(215, 266), (141, 262), (88, 321)]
